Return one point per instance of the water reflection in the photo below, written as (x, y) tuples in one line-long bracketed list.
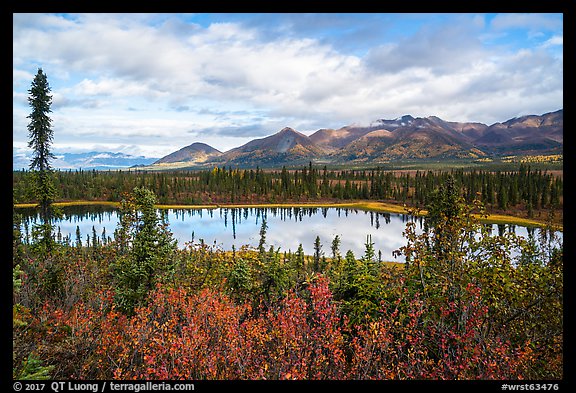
[(287, 227)]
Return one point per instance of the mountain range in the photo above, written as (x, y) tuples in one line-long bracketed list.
[(380, 141), (384, 140), (89, 160)]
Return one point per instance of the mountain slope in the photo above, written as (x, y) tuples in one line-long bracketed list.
[(331, 140), (418, 138), (194, 153), (286, 146), (525, 135)]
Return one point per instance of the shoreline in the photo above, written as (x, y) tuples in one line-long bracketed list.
[(378, 207)]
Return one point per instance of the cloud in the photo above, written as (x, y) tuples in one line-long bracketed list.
[(349, 33), (532, 22), (441, 50), (556, 40), (21, 78), (109, 87), (256, 130), (223, 61)]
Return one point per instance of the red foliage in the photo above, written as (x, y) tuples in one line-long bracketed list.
[(297, 339), (411, 345), (205, 335)]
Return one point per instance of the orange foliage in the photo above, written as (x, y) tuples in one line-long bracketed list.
[(205, 335)]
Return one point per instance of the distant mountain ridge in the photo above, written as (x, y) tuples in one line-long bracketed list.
[(90, 160), (540, 133), (405, 137)]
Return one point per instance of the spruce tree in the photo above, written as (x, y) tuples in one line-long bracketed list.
[(41, 136), (317, 254), (336, 249), (145, 249)]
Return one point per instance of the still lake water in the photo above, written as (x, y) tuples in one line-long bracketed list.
[(287, 228)]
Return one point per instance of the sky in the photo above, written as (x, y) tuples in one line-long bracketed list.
[(150, 84)]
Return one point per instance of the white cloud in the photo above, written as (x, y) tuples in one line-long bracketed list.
[(21, 78), (110, 87), (556, 40), (533, 22)]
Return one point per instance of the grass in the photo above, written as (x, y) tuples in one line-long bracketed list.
[(71, 203)]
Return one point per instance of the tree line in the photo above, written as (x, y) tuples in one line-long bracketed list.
[(526, 189)]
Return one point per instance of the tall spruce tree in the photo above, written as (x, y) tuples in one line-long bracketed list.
[(41, 136)]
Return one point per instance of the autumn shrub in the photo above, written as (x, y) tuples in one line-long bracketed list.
[(177, 335), (299, 338), (183, 334), (205, 335), (405, 343)]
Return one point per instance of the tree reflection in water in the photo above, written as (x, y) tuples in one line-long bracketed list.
[(287, 227)]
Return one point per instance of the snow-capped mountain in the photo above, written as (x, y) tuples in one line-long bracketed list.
[(91, 160)]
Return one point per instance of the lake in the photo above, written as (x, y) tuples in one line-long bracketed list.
[(287, 228)]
